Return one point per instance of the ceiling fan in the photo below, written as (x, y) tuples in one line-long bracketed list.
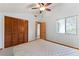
[(42, 7)]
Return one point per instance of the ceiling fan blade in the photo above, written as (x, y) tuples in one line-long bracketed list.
[(48, 9), (39, 4), (34, 8), (48, 4), (42, 3)]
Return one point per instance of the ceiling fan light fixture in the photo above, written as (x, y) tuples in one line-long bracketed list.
[(42, 8)]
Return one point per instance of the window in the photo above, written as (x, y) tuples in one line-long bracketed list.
[(61, 26), (71, 25), (66, 25)]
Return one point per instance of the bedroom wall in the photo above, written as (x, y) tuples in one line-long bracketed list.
[(1, 31), (26, 16), (61, 11)]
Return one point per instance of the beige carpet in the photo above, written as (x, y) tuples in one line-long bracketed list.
[(39, 48), (44, 48)]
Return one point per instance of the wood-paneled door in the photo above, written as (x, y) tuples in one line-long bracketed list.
[(8, 32), (23, 31), (43, 30), (16, 31)]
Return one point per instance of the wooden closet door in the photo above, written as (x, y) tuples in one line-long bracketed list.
[(43, 30), (21, 31), (25, 31), (14, 31), (8, 32)]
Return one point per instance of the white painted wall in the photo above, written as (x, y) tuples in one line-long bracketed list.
[(61, 11), (26, 16), (1, 31)]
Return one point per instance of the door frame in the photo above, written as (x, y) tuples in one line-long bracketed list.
[(36, 23)]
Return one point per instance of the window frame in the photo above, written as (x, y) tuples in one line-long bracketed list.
[(65, 18)]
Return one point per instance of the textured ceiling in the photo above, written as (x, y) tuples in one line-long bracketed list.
[(13, 7), (17, 7)]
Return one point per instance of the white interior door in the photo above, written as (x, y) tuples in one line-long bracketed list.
[(38, 30)]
